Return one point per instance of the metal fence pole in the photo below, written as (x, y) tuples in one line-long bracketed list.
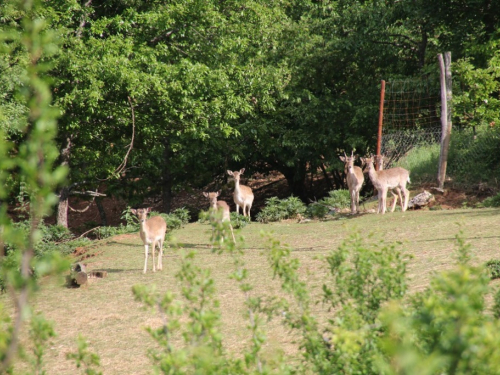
[(380, 119)]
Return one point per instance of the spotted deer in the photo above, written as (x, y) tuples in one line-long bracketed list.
[(354, 179), (152, 232), (243, 195), (387, 179), (219, 210)]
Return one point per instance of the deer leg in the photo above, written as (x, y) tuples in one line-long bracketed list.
[(407, 196), (353, 201), (394, 201), (403, 208), (160, 255), (146, 250), (232, 233), (382, 196), (238, 210), (153, 249)]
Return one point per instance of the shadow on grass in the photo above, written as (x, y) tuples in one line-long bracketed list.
[(453, 238), (122, 244)]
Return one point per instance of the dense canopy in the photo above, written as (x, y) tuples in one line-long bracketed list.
[(156, 96)]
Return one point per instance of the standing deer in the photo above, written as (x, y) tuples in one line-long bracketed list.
[(396, 192), (355, 180), (388, 179), (242, 195), (152, 232), (219, 207)]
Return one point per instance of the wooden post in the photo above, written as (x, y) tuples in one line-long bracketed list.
[(380, 119), (446, 94)]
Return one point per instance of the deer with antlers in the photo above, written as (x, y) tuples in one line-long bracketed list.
[(354, 179), (388, 179)]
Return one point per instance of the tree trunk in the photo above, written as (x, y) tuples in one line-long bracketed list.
[(296, 178), (63, 205), (167, 178), (102, 212)]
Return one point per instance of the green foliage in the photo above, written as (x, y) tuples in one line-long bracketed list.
[(182, 214), (493, 201), (131, 220), (365, 277), (200, 349), (41, 331), (493, 266), (317, 210), (496, 304), (84, 359), (33, 163), (477, 102), (336, 200), (446, 329), (473, 155), (239, 221), (422, 162), (280, 209)]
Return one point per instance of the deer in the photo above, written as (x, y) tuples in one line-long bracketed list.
[(152, 232), (219, 208), (243, 195), (396, 192), (387, 179), (355, 180)]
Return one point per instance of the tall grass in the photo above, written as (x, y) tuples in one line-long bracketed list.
[(422, 162)]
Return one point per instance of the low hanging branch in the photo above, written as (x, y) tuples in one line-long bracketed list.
[(123, 164), (93, 194)]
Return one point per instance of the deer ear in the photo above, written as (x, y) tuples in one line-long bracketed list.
[(229, 172), (217, 194), (242, 170), (148, 210), (205, 194), (342, 158), (134, 211)]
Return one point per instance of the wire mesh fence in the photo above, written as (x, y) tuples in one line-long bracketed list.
[(411, 133), (474, 157)]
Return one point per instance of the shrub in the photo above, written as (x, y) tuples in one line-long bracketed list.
[(280, 209), (336, 200), (239, 221), (182, 214), (494, 267), (493, 201)]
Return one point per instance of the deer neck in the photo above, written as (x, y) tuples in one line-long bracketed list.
[(144, 226), (237, 188)]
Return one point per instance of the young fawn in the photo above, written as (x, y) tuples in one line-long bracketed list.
[(388, 179), (243, 195), (152, 232), (219, 208), (354, 179)]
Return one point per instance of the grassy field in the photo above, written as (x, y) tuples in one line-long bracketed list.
[(106, 314)]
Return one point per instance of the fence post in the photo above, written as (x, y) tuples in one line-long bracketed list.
[(446, 95), (380, 119)]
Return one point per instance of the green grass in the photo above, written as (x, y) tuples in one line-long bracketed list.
[(422, 162), (105, 312)]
